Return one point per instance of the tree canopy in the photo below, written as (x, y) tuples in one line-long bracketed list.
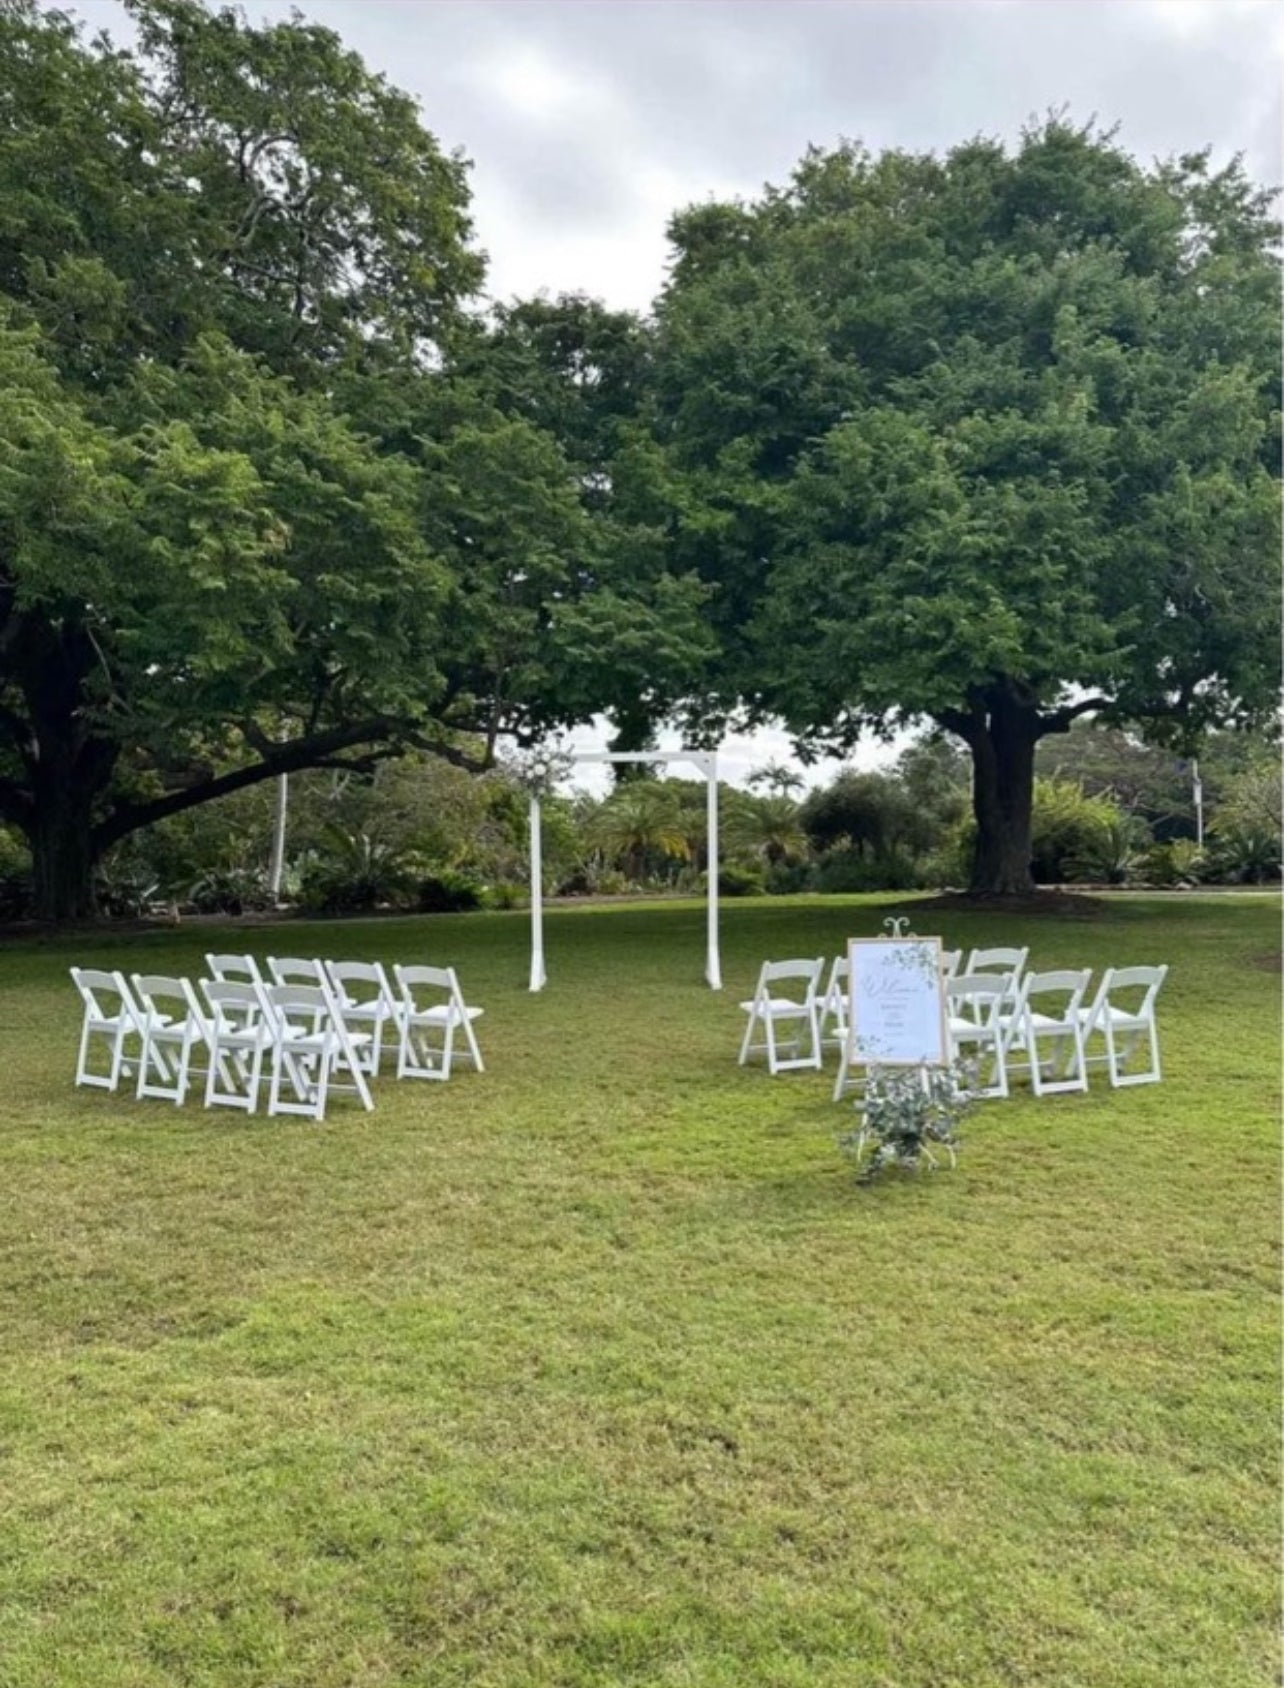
[(991, 439), (269, 497)]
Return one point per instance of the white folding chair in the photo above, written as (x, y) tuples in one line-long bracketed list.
[(240, 1034), (1005, 964), (173, 1026), (309, 1044), (433, 1004), (366, 1001), (110, 1012), (1123, 1027), (950, 960), (771, 1011), (296, 970), (235, 969), (974, 1019), (1058, 1021), (833, 1004)]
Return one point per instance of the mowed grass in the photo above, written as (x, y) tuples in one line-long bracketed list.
[(599, 1369)]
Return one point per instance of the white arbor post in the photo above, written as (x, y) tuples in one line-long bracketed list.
[(707, 762), (539, 978)]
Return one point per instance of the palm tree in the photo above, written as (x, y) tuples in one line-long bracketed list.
[(769, 827), (779, 780), (639, 820)]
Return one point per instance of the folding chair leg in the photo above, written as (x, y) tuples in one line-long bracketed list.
[(745, 1041), (471, 1035), (772, 1064)]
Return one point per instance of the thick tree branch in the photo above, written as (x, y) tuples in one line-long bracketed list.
[(291, 756)]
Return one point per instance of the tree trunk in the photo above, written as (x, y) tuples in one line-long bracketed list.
[(63, 855), (69, 766), (1002, 746)]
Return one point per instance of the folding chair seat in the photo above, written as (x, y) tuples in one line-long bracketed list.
[(974, 1020), (296, 970), (366, 1001), (240, 1035), (772, 1011), (1049, 1011), (309, 1043), (173, 1026), (1123, 1027), (111, 1013), (421, 1019), (237, 969)]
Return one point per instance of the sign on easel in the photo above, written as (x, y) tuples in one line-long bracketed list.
[(896, 1003)]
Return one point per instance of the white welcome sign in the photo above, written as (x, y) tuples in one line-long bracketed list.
[(896, 1007)]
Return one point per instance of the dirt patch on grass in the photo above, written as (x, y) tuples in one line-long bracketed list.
[(1271, 962), (1061, 904)]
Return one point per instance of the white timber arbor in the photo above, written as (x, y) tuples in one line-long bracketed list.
[(707, 762)]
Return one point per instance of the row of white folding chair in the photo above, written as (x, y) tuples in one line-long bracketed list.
[(819, 1018), (297, 1025), (989, 1013), (426, 1016), (310, 1030), (987, 1028)]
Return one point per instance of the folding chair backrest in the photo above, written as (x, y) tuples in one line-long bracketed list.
[(166, 996), (799, 968), (840, 973), (358, 982), (105, 995), (235, 1005), (296, 970), (1070, 982), (417, 978), (1145, 979), (302, 1007), (950, 960), (1009, 961), (242, 968), (985, 992)]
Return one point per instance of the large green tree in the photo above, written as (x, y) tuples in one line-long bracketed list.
[(265, 504), (990, 439), (206, 575)]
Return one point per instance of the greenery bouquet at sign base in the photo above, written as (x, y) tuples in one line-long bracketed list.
[(908, 1117)]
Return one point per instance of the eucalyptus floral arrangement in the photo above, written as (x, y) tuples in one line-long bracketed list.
[(909, 1117)]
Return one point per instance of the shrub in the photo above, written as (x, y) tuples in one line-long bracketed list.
[(356, 873), (230, 890), (508, 893), (1112, 852), (735, 879), (1246, 854), (449, 892), (1069, 829), (126, 889), (852, 871), (790, 879), (1178, 862)]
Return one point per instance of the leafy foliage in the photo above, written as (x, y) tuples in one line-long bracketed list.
[(988, 438), (906, 1115)]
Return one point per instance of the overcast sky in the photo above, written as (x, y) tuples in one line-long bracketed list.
[(588, 122)]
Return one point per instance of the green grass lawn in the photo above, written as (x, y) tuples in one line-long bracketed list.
[(600, 1369)]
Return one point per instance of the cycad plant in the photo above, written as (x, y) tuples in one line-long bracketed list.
[(639, 821)]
